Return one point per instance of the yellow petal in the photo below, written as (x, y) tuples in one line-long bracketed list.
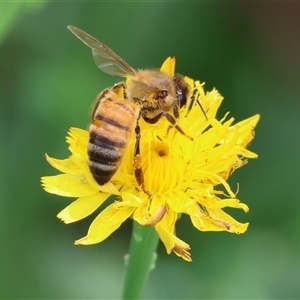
[(173, 243), (79, 133), (166, 237), (82, 207), (63, 165), (215, 180), (179, 201), (130, 200), (68, 185), (105, 188), (214, 202), (165, 229), (215, 220), (168, 66), (250, 122), (143, 217), (209, 101), (246, 153), (245, 130), (105, 224), (147, 213), (181, 249), (190, 82), (78, 140)]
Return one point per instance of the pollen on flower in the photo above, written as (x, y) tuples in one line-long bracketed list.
[(183, 176)]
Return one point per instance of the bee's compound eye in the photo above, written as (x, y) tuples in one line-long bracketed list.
[(182, 89), (181, 97)]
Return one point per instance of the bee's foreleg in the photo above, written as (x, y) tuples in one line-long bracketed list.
[(173, 122), (153, 120), (137, 161)]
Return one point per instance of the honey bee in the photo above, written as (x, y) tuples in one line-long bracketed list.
[(150, 94)]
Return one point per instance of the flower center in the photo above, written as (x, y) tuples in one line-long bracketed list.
[(163, 168), (162, 149)]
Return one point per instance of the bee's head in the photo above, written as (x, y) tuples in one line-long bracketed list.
[(152, 89)]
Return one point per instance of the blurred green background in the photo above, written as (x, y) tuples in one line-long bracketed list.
[(248, 51)]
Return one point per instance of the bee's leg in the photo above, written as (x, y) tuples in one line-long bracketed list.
[(153, 120), (173, 121), (137, 164)]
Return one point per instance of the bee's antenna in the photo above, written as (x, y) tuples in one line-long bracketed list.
[(202, 109)]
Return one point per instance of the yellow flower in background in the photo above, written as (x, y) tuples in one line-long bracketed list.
[(183, 176)]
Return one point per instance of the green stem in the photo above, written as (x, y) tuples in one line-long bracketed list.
[(142, 249)]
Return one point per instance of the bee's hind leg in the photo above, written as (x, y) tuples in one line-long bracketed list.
[(137, 161)]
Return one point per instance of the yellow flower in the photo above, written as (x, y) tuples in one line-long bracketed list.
[(183, 176)]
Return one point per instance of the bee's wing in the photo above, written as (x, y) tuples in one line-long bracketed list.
[(106, 59)]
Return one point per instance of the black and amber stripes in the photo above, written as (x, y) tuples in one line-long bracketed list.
[(114, 121)]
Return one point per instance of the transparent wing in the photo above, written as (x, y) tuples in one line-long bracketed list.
[(106, 59)]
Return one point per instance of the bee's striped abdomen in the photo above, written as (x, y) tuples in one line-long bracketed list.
[(110, 132)]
